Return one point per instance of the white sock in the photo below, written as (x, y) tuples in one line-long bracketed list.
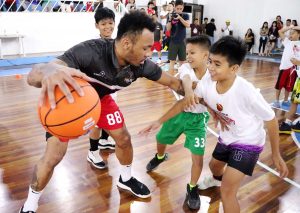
[(31, 203), (125, 171)]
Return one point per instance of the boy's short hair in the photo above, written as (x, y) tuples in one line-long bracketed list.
[(205, 19), (201, 40), (234, 49), (212, 20), (104, 13)]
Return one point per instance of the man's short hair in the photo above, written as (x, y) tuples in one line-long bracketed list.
[(134, 23), (178, 2), (212, 20), (104, 13), (205, 19), (234, 49)]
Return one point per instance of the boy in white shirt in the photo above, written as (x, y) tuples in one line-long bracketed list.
[(191, 122), (287, 75), (245, 110)]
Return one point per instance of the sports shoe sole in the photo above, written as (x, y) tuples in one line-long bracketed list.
[(106, 147), (93, 164), (122, 186), (295, 130)]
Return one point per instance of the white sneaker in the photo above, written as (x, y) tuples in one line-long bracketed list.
[(208, 182), (107, 144), (96, 160), (158, 61)]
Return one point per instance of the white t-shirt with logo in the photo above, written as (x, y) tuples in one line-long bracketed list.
[(291, 50), (185, 69), (244, 109)]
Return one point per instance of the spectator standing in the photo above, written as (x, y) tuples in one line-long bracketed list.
[(163, 16), (227, 30), (130, 4), (158, 38), (203, 26), (196, 29), (264, 31), (150, 10), (177, 24), (210, 30), (279, 22)]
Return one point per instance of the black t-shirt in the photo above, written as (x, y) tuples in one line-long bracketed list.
[(178, 30), (158, 28), (210, 28), (195, 29), (98, 60)]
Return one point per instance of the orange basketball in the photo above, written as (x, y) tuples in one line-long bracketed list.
[(67, 120)]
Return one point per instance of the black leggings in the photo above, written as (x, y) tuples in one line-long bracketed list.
[(262, 42)]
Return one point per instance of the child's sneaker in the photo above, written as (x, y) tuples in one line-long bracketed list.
[(192, 197), (286, 103), (154, 162), (296, 127), (208, 182), (285, 128), (276, 104)]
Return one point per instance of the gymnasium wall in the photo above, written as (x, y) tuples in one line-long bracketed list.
[(250, 14), (47, 32)]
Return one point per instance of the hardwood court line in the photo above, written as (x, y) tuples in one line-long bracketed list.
[(258, 162)]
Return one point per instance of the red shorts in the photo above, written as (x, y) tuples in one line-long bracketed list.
[(157, 46), (286, 79), (111, 117)]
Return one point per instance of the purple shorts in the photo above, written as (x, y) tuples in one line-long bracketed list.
[(239, 156)]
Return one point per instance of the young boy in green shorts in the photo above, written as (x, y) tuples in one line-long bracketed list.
[(191, 122)]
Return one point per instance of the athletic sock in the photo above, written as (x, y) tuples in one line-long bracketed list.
[(31, 204), (219, 178), (160, 157), (125, 171), (104, 135), (93, 144), (191, 186)]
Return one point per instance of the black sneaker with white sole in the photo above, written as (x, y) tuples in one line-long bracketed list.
[(154, 162), (192, 197), (21, 211), (135, 187), (296, 127), (285, 128)]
